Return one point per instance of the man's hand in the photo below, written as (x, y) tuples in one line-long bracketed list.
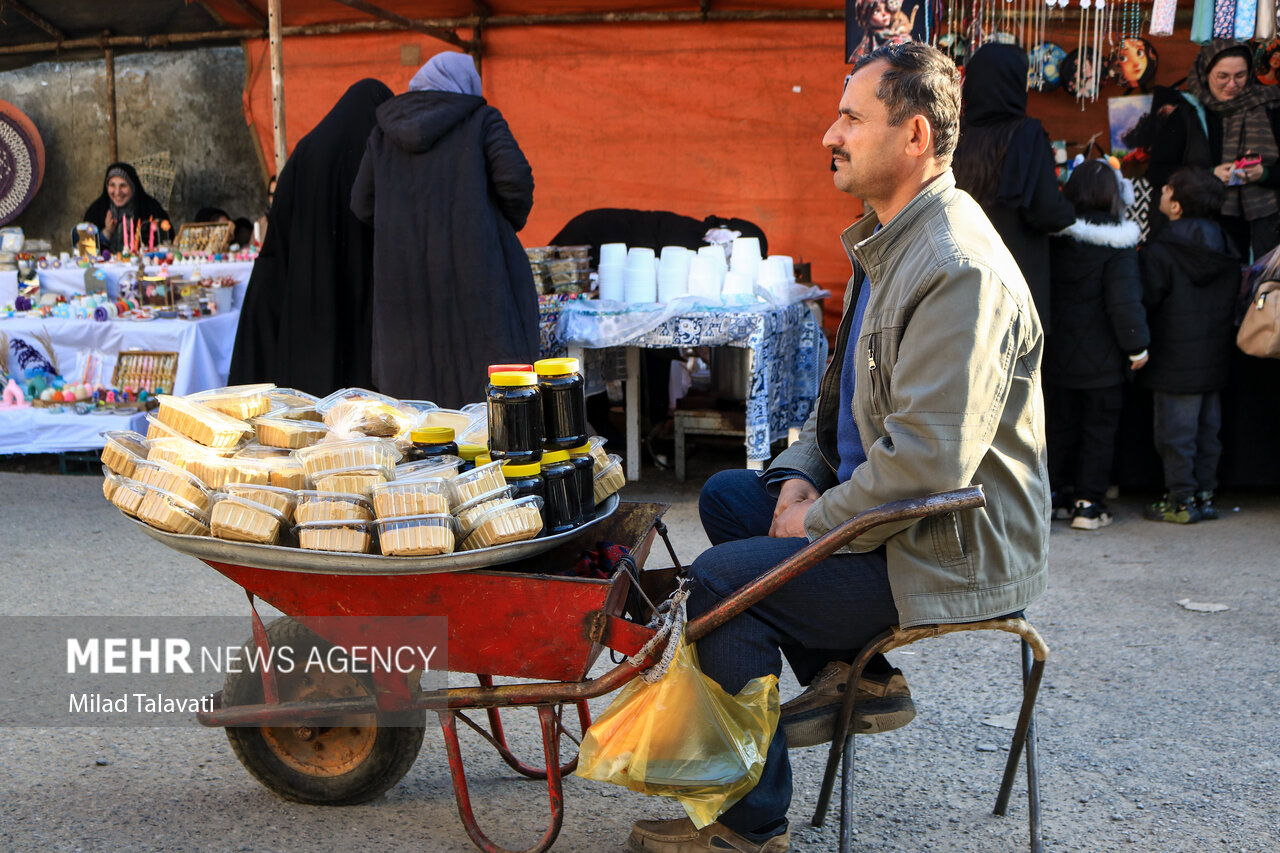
[(794, 500), (1138, 364), (1223, 172)]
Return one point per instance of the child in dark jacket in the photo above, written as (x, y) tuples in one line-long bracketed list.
[(1099, 338), (1190, 276)]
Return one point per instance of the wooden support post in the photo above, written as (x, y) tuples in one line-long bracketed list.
[(277, 82), (112, 143)]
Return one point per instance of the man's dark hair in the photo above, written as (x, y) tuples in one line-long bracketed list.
[(1198, 191), (1093, 189), (920, 80)]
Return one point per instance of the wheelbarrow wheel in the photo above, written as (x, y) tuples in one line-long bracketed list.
[(334, 765)]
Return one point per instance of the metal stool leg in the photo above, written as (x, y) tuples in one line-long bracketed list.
[(1024, 734)]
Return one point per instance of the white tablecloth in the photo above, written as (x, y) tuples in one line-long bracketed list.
[(203, 346), (34, 430), (70, 280)]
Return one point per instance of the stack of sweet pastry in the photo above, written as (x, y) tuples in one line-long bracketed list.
[(277, 466)]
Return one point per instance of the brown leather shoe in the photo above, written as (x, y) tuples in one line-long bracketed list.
[(679, 836), (884, 703)]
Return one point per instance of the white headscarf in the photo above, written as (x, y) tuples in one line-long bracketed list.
[(447, 72)]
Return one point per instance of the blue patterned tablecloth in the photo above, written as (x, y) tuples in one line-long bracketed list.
[(789, 352)]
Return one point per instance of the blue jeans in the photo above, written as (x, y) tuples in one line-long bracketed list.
[(1186, 433), (825, 614)]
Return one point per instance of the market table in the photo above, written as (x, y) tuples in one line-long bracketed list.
[(204, 359), (788, 352), (69, 280), (33, 430)]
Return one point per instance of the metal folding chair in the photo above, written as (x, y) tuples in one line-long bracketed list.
[(1034, 654)]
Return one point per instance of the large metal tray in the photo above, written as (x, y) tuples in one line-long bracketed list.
[(335, 563)]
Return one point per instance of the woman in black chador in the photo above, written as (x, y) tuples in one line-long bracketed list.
[(446, 188), (306, 319)]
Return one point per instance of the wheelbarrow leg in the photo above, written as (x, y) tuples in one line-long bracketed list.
[(499, 739), (550, 748)]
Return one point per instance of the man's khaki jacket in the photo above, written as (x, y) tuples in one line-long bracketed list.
[(947, 395)]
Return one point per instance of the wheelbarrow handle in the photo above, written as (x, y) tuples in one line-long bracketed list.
[(826, 545)]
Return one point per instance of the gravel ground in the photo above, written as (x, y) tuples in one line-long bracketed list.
[(1157, 727)]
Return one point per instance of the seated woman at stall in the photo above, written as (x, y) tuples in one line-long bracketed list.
[(123, 195)]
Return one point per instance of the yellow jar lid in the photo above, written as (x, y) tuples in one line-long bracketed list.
[(431, 435), (557, 366), (551, 457), (469, 452), (580, 451), (483, 458), (513, 378), (521, 469)]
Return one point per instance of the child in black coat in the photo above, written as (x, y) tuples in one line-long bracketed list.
[(1190, 276), (1099, 338)]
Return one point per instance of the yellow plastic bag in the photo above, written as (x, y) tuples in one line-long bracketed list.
[(684, 737)]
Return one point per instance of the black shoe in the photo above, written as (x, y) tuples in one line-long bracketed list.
[(1204, 505), (1062, 506), (1173, 511), (1090, 515)]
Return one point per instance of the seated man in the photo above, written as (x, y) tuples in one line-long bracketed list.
[(934, 385)]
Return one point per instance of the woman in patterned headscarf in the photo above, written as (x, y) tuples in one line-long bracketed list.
[(1224, 116)]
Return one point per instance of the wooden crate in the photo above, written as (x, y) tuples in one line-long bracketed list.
[(204, 236)]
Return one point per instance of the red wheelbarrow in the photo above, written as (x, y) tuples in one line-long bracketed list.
[(343, 738)]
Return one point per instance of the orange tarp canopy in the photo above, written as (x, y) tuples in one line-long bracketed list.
[(720, 118)]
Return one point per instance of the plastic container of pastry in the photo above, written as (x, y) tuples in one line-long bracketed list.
[(599, 457), (293, 404), (331, 506), (172, 480), (362, 411), (467, 513), (418, 535), (253, 450), (216, 471), (356, 481), (512, 521), (610, 480), (351, 453), (451, 418), (238, 401), (110, 482), (353, 537), (166, 511), (446, 467), (425, 496), (122, 449), (283, 432), (281, 500), (127, 497), (157, 430), (472, 484), (200, 423), (240, 519)]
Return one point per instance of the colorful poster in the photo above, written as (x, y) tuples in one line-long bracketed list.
[(1123, 114), (870, 24)]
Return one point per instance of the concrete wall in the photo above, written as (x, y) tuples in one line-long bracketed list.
[(186, 102)]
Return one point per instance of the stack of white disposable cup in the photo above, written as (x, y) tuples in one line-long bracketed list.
[(745, 257), (704, 277), (639, 276), (613, 258), (739, 286), (719, 262), (773, 277), (673, 273)]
